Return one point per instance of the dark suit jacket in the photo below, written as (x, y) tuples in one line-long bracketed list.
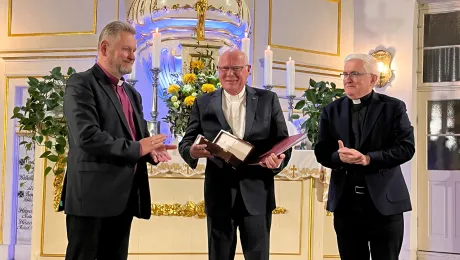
[(102, 154), (387, 138), (265, 126)]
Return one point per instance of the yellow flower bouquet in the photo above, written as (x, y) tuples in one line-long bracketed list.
[(180, 96)]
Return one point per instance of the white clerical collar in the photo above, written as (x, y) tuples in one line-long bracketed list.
[(356, 101), (236, 97)]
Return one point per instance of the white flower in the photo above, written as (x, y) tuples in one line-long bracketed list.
[(187, 88), (194, 94)]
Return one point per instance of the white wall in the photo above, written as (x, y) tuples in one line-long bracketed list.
[(392, 24)]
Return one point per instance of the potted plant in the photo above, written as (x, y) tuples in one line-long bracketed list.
[(180, 96), (43, 119), (317, 96)]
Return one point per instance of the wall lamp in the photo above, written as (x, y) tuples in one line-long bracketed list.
[(384, 60)]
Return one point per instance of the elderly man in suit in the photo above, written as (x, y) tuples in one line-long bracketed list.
[(364, 138), (244, 197), (106, 182)]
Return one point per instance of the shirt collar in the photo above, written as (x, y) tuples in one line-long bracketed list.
[(111, 78), (363, 100), (238, 97)]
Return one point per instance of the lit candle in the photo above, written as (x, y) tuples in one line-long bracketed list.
[(245, 43), (156, 49), (290, 77), (132, 76), (268, 66)]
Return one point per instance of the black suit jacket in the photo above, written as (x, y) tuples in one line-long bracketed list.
[(265, 126), (102, 153), (387, 138)]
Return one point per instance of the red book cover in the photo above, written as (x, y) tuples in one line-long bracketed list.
[(282, 146)]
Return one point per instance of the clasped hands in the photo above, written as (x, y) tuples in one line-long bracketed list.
[(271, 162), (157, 149), (352, 156)]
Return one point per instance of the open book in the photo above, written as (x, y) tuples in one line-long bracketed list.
[(235, 151)]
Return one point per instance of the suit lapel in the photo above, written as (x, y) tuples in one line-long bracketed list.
[(344, 119), (373, 112), (216, 106), (137, 118), (251, 106), (108, 89)]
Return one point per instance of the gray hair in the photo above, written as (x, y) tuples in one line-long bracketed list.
[(369, 63), (114, 29)]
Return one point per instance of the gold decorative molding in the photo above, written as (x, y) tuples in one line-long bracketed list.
[(10, 17), (311, 72), (48, 51), (5, 129), (49, 57), (309, 66), (190, 209), (339, 25)]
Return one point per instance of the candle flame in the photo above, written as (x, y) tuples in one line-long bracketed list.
[(157, 30), (268, 47), (245, 35), (289, 58)]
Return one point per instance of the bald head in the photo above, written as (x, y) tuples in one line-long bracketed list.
[(234, 54), (233, 70)]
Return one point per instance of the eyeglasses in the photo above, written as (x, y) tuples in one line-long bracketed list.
[(353, 75), (233, 68)]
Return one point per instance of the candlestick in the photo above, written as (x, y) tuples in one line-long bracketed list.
[(132, 75), (156, 49), (290, 106), (245, 44), (131, 82), (268, 66), (290, 77), (154, 112)]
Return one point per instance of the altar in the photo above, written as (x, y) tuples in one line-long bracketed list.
[(301, 227)]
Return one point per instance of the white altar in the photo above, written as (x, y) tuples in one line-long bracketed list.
[(301, 228)]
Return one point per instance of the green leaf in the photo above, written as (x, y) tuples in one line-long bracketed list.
[(61, 140), (59, 148), (312, 83), (333, 85), (45, 154), (311, 95), (33, 81), (21, 184), (300, 104), (48, 144), (27, 167), (295, 116), (53, 158), (70, 71), (47, 170), (59, 171), (23, 143)]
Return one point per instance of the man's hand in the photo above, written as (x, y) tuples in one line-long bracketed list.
[(352, 156), (199, 151), (272, 161), (149, 144), (160, 154)]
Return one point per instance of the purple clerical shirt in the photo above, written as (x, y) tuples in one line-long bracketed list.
[(124, 100)]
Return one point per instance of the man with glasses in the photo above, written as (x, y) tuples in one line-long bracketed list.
[(244, 197), (364, 138)]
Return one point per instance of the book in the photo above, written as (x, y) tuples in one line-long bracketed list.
[(228, 147), (235, 151), (280, 147)]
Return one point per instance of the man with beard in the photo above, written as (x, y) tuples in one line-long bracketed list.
[(106, 182)]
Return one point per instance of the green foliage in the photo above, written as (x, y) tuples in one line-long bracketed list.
[(317, 96), (43, 119)]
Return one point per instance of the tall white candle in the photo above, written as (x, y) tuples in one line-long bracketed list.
[(156, 49), (268, 66), (132, 76), (290, 77), (245, 44)]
